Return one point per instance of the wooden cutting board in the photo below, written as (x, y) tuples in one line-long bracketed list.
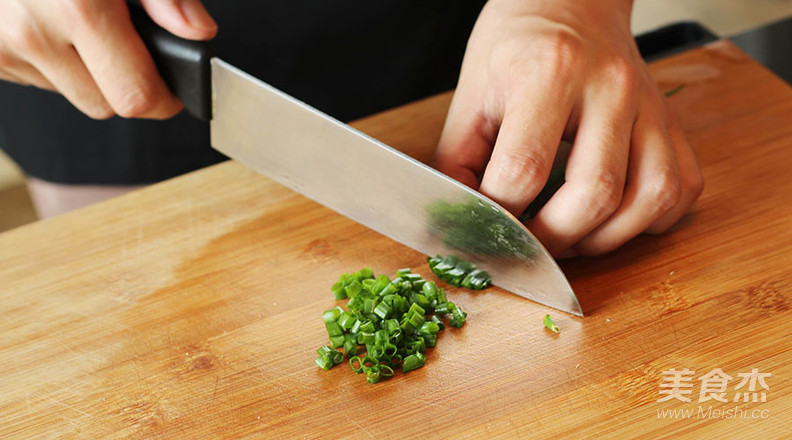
[(191, 309)]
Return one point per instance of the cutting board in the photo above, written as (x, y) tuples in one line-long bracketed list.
[(192, 309)]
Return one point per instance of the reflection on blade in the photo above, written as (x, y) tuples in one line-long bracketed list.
[(479, 231), (377, 186)]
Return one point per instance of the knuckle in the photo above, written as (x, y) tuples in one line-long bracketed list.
[(694, 183), (83, 12), (135, 102), (664, 189), (603, 194), (521, 166), (622, 73), (559, 50), (24, 39)]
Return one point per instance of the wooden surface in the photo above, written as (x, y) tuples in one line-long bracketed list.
[(192, 309)]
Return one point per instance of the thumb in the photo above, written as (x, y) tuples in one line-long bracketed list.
[(183, 18)]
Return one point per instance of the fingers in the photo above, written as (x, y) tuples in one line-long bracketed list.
[(184, 18), (652, 188), (15, 70), (89, 51), (526, 144), (466, 141), (663, 182), (121, 66), (596, 170), (691, 181)]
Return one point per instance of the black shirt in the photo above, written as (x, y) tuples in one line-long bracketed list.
[(348, 58)]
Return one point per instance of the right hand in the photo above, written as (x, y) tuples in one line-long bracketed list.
[(89, 51)]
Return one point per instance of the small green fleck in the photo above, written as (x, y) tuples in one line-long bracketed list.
[(675, 90), (550, 324)]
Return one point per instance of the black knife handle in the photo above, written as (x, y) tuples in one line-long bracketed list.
[(183, 64)]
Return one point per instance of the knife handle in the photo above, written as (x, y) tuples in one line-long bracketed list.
[(183, 64)]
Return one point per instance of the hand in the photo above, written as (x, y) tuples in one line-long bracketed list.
[(538, 72), (89, 51)]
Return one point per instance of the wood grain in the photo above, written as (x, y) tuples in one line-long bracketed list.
[(191, 309)]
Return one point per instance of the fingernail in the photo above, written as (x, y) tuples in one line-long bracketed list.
[(197, 16)]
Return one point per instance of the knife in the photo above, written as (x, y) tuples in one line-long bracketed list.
[(352, 173)]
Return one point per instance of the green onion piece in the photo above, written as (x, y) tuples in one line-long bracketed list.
[(355, 326), (324, 363), (459, 273), (366, 273), (337, 341), (550, 324), (346, 320), (444, 308), (418, 345), (337, 357), (441, 295), (675, 90), (416, 320), (368, 327), (356, 360), (383, 310), (373, 374), (422, 301), (324, 350), (381, 337), (350, 348), (333, 329), (365, 338), (386, 371), (392, 325), (368, 362), (415, 308), (355, 303), (331, 315), (353, 288), (404, 271), (429, 328), (413, 362), (430, 290), (458, 317), (436, 319), (338, 290)]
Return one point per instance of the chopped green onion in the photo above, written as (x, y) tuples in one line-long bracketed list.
[(457, 317), (392, 321), (352, 361), (459, 273), (333, 329), (331, 315), (324, 363), (413, 362), (550, 324)]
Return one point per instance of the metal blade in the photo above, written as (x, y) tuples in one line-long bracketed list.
[(377, 186)]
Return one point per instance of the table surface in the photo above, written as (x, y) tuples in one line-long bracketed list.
[(191, 309)]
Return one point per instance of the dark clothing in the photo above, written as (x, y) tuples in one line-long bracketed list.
[(348, 58)]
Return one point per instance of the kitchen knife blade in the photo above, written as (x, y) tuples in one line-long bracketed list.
[(352, 173)]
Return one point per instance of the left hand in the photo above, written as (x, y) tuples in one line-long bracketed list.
[(536, 72)]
